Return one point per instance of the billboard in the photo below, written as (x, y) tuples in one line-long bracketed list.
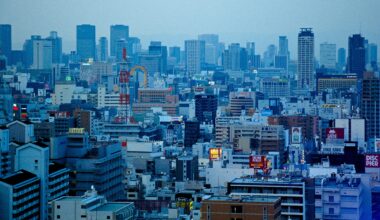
[(334, 135), (257, 161), (372, 160), (296, 135), (215, 153)]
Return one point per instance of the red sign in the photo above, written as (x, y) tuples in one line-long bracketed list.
[(215, 153), (257, 161), (372, 160), (335, 133)]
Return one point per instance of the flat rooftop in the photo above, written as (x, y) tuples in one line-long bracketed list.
[(112, 206), (19, 177), (253, 199), (268, 181)]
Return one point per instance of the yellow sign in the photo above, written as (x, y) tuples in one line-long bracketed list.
[(76, 130)]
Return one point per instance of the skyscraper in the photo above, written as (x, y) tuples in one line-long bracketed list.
[(211, 47), (341, 59), (370, 104), (28, 50), (103, 49), (195, 56), (86, 45), (269, 55), (306, 77), (234, 53), (6, 40), (356, 55), (283, 48), (42, 54), (117, 33), (372, 56), (56, 43), (175, 52), (328, 55), (155, 48)]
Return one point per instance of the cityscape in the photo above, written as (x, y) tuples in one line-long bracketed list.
[(191, 120)]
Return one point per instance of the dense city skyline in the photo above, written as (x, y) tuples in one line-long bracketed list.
[(258, 21)]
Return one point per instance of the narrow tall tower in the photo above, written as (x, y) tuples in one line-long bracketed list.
[(124, 100), (306, 78)]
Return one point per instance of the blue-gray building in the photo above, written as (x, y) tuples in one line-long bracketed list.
[(56, 43), (118, 32), (356, 55), (6, 40), (86, 45)]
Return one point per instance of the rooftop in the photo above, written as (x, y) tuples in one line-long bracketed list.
[(268, 181), (19, 177), (112, 206), (252, 199)]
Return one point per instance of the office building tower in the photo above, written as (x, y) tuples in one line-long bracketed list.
[(187, 168), (20, 196), (194, 56), (28, 50), (211, 47), (234, 56), (133, 50), (5, 156), (243, 59), (6, 40), (281, 62), (42, 54), (102, 49), (192, 132), (283, 48), (118, 32), (176, 53), (269, 56), (356, 55), (327, 55), (6, 103), (120, 45), (372, 56), (341, 59), (205, 107), (306, 78), (370, 104), (56, 44), (34, 158), (86, 43), (156, 49)]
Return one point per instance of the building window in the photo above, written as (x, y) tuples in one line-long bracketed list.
[(58, 206), (58, 217), (331, 211), (108, 217), (237, 209), (331, 198)]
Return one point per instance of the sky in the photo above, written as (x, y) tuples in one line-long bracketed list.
[(173, 21)]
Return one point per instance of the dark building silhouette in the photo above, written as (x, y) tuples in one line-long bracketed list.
[(86, 44), (6, 40), (192, 131), (187, 168), (205, 108), (356, 55), (370, 104)]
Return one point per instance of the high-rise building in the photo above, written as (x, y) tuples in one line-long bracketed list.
[(56, 44), (120, 45), (17, 205), (118, 32), (356, 55), (28, 50), (269, 56), (195, 56), (155, 48), (86, 44), (6, 40), (283, 48), (211, 47), (372, 56), (306, 76), (176, 53), (205, 108), (370, 104), (327, 55), (187, 168), (192, 130), (102, 49), (234, 56), (42, 54), (341, 59), (251, 54)]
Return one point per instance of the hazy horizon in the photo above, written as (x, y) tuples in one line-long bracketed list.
[(173, 21)]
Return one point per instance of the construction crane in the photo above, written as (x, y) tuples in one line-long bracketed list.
[(144, 70)]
